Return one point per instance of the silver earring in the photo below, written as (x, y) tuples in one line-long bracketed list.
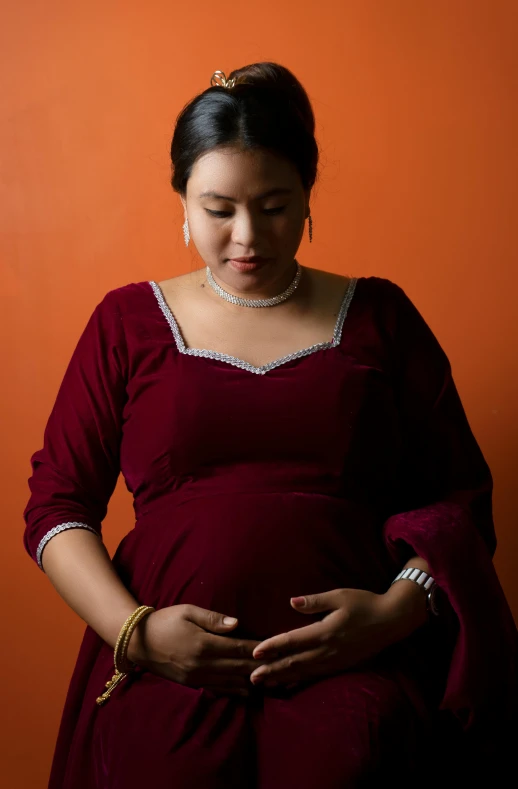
[(310, 228), (186, 235)]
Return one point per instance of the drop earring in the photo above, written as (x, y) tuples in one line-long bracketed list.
[(310, 228), (186, 235)]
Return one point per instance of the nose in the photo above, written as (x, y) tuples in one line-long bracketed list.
[(245, 230)]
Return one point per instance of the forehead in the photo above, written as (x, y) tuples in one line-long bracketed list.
[(230, 171)]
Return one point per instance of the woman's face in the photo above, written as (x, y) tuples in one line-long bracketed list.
[(242, 221)]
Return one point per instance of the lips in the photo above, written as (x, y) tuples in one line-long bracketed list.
[(247, 264), (254, 259)]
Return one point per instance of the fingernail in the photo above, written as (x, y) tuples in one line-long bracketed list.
[(259, 654), (299, 600), (229, 620)]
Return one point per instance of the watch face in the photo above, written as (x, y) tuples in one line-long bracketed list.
[(433, 601)]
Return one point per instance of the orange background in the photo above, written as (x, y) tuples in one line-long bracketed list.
[(416, 115)]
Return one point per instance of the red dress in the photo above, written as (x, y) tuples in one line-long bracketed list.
[(327, 468)]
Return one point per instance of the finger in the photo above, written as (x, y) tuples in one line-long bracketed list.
[(230, 667), (228, 647), (297, 640), (289, 669), (316, 603), (243, 667), (208, 620)]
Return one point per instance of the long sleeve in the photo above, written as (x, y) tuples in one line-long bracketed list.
[(75, 472), (444, 514)]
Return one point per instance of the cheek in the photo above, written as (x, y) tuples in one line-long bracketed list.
[(292, 231), (209, 236), (295, 222)]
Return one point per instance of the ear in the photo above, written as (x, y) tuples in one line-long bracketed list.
[(184, 204)]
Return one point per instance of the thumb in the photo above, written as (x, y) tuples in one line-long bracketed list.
[(313, 603), (211, 620)]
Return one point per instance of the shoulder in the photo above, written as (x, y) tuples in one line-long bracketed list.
[(381, 286), (121, 316), (136, 297), (387, 305), (374, 299), (374, 287), (385, 295), (404, 322), (127, 299)]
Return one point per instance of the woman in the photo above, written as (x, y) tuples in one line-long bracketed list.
[(285, 432)]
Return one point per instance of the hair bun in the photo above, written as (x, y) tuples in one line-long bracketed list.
[(272, 76), (261, 105), (265, 74)]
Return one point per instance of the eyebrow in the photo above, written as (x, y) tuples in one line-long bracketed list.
[(276, 191)]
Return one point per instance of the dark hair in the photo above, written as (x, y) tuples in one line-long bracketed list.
[(266, 108)]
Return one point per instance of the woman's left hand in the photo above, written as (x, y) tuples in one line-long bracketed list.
[(360, 625)]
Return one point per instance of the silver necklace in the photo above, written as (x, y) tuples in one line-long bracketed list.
[(254, 302)]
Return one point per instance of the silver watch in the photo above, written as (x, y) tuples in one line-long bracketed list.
[(424, 580)]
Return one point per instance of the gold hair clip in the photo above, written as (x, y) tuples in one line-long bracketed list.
[(216, 79)]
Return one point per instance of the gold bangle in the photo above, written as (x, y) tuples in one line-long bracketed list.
[(121, 647), (122, 665)]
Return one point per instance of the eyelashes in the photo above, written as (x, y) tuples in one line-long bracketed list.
[(268, 211)]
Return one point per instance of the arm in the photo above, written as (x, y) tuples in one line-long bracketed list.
[(443, 514), (74, 475), (80, 569)]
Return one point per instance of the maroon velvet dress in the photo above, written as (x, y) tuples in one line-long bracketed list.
[(324, 469)]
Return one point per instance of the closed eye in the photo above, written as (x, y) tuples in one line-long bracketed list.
[(222, 214)]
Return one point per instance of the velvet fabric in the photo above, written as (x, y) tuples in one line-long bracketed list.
[(328, 471)]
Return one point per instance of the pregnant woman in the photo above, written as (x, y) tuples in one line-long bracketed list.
[(299, 460)]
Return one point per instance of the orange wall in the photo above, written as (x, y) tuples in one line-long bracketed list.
[(416, 116)]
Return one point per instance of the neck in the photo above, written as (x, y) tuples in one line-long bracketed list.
[(269, 291)]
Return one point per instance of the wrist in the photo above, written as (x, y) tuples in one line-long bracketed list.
[(137, 646), (404, 606)]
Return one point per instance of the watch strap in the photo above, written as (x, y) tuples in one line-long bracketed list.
[(422, 579)]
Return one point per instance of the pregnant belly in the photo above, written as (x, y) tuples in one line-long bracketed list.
[(247, 554)]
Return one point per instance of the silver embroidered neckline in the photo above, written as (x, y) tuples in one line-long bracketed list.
[(241, 363), (271, 302)]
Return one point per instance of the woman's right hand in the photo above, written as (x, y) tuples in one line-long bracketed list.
[(178, 643)]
